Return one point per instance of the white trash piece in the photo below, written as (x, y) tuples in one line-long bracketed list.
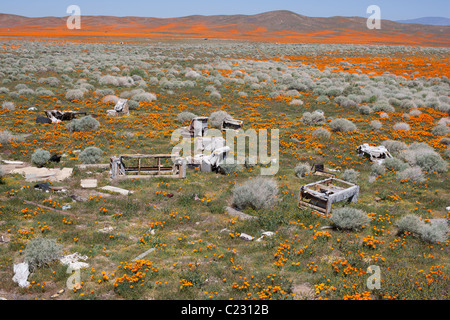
[(246, 237), (72, 260), (21, 274)]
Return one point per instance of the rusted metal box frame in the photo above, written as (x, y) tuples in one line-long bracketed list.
[(120, 171), (322, 194)]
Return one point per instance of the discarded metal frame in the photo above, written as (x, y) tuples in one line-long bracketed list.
[(120, 109), (318, 169), (119, 170), (197, 128), (322, 194), (231, 124), (57, 116), (375, 154)]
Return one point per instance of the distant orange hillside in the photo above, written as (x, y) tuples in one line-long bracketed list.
[(274, 26)]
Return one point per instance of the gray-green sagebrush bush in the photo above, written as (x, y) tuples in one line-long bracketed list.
[(185, 116), (349, 218), (302, 169), (216, 119), (256, 193), (342, 125), (40, 157), (435, 231), (394, 164), (91, 155), (41, 252), (350, 175), (87, 123)]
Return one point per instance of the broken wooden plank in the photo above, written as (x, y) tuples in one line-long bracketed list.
[(49, 208)]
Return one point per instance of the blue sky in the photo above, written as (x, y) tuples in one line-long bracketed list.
[(390, 9)]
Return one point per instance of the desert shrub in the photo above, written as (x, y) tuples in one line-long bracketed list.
[(410, 223), (74, 94), (350, 175), (40, 157), (87, 123), (364, 109), (104, 92), (91, 155), (8, 106), (445, 141), (349, 218), (342, 125), (185, 116), (242, 94), (376, 125), (302, 169), (382, 106), (377, 169), (384, 115), (415, 112), (133, 105), (394, 146), (441, 130), (216, 119), (310, 118), (434, 232), (322, 99), (431, 162), (394, 164), (296, 102), (413, 174), (229, 168), (41, 252), (256, 193), (144, 97), (215, 95), (5, 137), (138, 72), (402, 126), (1, 173), (321, 133)]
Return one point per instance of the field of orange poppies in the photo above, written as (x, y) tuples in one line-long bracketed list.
[(395, 96)]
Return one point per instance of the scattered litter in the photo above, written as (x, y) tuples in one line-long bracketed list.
[(246, 237), (321, 194), (88, 183), (318, 169), (143, 255), (56, 116), (13, 162), (122, 169), (32, 109), (66, 207), (117, 190), (106, 229), (375, 154), (60, 292), (55, 158), (73, 261), (231, 124), (197, 128), (21, 273), (35, 174), (121, 109), (43, 186), (265, 234)]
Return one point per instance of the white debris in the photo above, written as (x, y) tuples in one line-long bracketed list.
[(246, 237), (13, 162), (21, 274), (265, 234), (35, 174), (88, 183), (72, 260), (117, 190), (106, 229)]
